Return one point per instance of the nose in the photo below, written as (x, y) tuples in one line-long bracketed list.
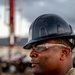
[(33, 54)]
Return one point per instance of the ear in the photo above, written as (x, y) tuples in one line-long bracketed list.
[(65, 53)]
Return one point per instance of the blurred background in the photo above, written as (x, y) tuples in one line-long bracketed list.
[(16, 17)]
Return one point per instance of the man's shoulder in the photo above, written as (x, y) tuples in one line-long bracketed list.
[(71, 71)]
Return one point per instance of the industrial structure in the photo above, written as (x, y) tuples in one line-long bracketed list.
[(11, 51)]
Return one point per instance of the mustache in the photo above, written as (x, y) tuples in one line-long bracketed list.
[(34, 61)]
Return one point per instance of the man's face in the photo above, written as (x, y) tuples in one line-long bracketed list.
[(46, 61)]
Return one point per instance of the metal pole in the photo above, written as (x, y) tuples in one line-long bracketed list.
[(11, 36), (11, 4)]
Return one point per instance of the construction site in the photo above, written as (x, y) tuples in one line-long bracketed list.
[(13, 58), (15, 18)]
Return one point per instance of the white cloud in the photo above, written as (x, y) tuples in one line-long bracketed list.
[(21, 25), (4, 29)]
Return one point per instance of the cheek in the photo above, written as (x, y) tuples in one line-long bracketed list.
[(44, 59), (45, 62), (49, 59)]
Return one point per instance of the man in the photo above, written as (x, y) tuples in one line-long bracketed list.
[(52, 41)]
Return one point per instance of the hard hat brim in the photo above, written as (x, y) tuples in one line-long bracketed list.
[(29, 44)]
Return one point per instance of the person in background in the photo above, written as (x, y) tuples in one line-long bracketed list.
[(51, 41)]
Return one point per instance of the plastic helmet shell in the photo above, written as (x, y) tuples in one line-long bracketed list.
[(48, 26)]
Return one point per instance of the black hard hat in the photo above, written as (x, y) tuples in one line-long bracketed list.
[(48, 26)]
